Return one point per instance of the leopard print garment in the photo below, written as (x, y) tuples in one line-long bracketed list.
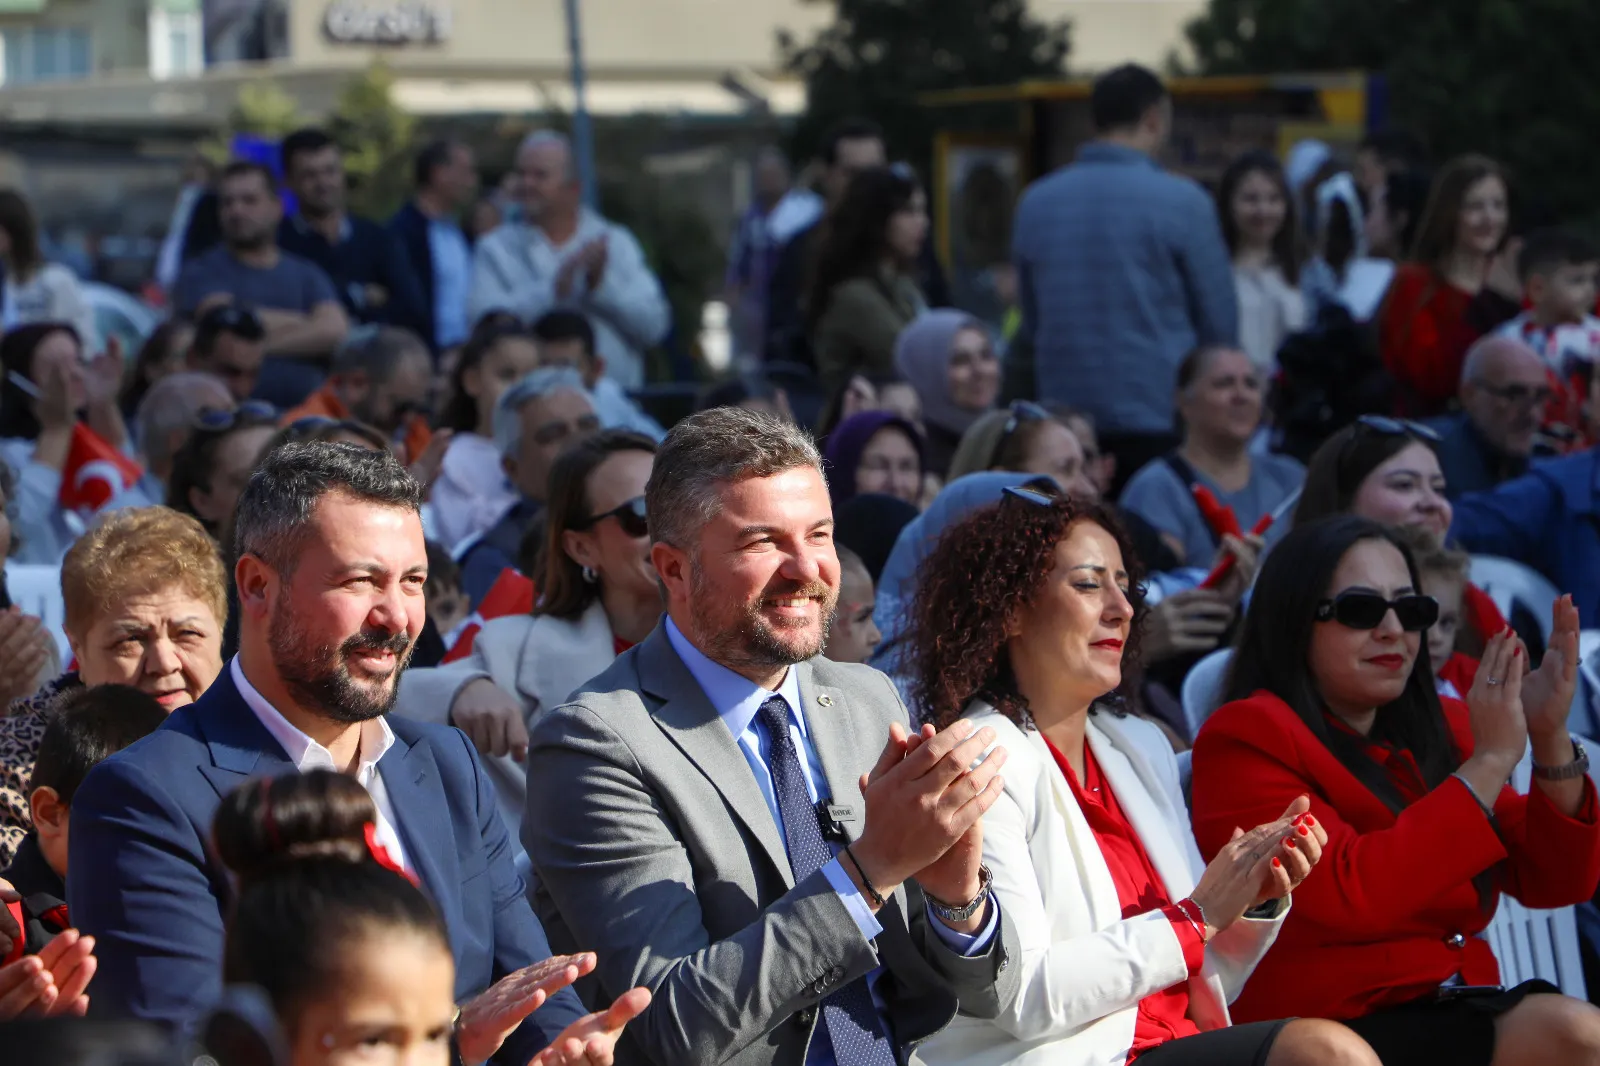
[(20, 733)]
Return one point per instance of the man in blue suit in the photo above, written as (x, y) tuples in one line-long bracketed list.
[(330, 577)]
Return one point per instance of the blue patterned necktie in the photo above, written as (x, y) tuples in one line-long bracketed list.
[(849, 1016)]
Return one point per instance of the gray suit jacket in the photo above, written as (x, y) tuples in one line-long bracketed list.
[(653, 847)]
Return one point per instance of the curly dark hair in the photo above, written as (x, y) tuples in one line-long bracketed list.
[(982, 570)]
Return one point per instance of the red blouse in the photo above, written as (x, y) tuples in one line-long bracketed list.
[(1163, 1015), (1424, 335)]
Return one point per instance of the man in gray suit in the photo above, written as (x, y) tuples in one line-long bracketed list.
[(713, 817)]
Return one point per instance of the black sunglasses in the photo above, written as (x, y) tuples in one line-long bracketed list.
[(1036, 496), (1357, 609), (1020, 411), (232, 318), (222, 419), (630, 516), (1398, 427)]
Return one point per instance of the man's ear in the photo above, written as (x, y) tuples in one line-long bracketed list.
[(256, 582), (49, 813), (672, 567)]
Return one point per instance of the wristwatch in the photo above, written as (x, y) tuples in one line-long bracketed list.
[(961, 913), (1576, 768)]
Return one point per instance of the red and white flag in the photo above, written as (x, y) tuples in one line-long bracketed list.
[(510, 594), (95, 472)]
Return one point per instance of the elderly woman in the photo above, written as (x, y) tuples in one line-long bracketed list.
[(145, 601), (1131, 947), (599, 596), (1333, 696)]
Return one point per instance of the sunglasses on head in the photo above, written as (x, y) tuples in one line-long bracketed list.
[(1020, 411), (1398, 427), (1037, 494), (1359, 609), (631, 516), (222, 419)]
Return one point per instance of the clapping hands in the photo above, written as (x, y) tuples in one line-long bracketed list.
[(1269, 862)]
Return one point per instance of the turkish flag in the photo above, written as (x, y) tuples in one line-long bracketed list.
[(510, 594), (95, 472)]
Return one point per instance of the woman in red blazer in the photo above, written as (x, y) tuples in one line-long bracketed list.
[(1332, 694)]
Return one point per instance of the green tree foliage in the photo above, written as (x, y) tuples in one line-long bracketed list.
[(377, 138), (879, 55), (1510, 78), (261, 109)]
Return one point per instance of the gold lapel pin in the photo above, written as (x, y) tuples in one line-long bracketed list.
[(825, 699)]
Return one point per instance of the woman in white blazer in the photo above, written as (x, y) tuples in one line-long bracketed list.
[(598, 596), (1131, 947)]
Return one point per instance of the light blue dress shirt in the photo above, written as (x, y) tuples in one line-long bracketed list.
[(736, 699), (452, 276)]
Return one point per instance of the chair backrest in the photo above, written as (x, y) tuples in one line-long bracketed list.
[(1531, 943), (1508, 581), (36, 589), (1585, 714), (1202, 688)]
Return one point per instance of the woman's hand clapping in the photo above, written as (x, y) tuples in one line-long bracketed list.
[(1547, 691), (1499, 727), (1267, 863)]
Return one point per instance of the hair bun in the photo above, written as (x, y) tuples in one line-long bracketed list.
[(273, 821)]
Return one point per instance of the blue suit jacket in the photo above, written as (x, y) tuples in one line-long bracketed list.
[(147, 885)]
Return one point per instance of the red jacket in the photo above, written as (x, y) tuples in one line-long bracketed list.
[(1373, 925), (1424, 335)]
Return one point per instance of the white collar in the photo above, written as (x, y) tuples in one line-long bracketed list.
[(306, 754)]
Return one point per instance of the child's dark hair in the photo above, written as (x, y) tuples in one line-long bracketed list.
[(565, 324), (1550, 249), (461, 411), (442, 568), (86, 725), (309, 885)]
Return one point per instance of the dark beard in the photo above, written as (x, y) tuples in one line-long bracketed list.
[(317, 677), (752, 641)]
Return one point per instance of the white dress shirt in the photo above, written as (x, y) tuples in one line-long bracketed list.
[(306, 754)]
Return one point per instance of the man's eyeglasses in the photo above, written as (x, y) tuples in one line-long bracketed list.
[(630, 516), (1359, 609), (1517, 395), (222, 419), (1020, 411)]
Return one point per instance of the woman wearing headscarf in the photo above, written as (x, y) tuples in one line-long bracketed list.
[(875, 452), (948, 356)]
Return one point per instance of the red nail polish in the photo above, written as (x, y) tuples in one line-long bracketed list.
[(1516, 652), (1310, 820), (1288, 842), (1304, 832), (1276, 865)]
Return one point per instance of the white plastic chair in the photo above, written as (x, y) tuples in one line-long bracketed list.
[(36, 589), (1508, 581), (1202, 688), (1585, 715), (1532, 943)]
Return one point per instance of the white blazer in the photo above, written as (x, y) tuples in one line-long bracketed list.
[(539, 660), (1084, 967)]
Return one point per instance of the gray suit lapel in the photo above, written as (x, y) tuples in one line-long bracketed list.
[(690, 722), (841, 743)]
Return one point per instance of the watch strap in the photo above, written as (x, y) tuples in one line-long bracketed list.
[(1576, 768)]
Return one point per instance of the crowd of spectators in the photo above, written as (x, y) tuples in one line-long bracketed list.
[(425, 677)]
